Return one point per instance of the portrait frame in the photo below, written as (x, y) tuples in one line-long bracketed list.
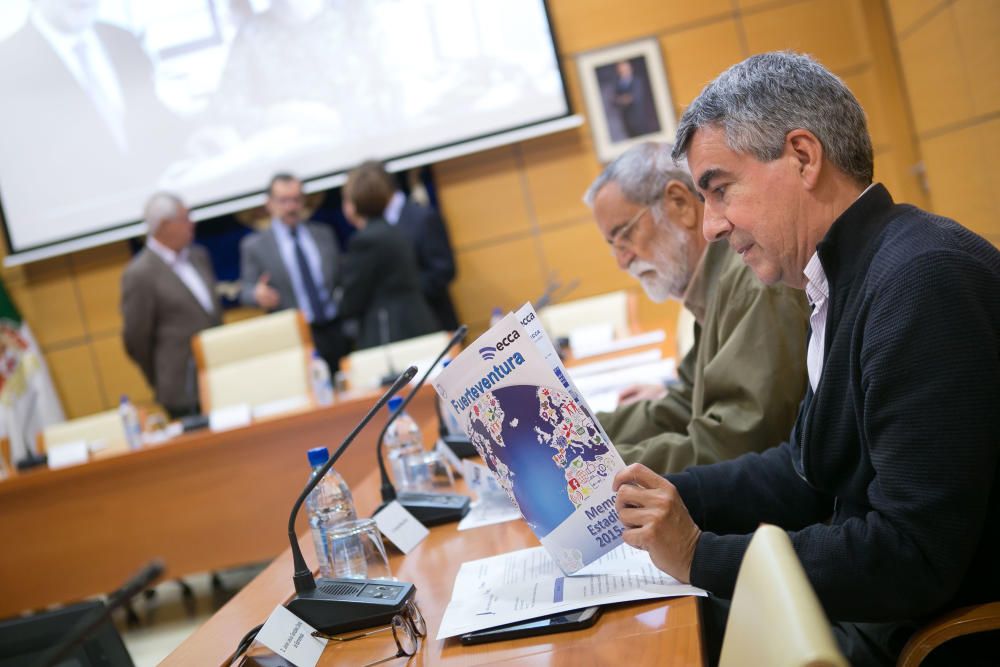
[(627, 96)]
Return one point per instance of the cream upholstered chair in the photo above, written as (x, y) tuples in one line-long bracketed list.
[(775, 618), (106, 428), (366, 368), (615, 308), (254, 361)]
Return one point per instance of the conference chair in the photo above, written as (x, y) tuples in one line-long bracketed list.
[(964, 621), (105, 430), (365, 369), (615, 308), (775, 618), (258, 361)]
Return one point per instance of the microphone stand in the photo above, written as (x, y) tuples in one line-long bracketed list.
[(90, 624), (429, 509), (338, 605)]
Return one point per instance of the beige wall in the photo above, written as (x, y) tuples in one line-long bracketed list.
[(515, 214)]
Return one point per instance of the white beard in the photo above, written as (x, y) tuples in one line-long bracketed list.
[(667, 276)]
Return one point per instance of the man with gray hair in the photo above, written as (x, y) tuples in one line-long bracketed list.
[(168, 295), (740, 385), (888, 483)]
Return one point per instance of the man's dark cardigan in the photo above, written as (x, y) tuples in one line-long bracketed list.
[(889, 483)]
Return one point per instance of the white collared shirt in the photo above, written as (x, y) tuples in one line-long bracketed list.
[(180, 264), (818, 293), (286, 244), (394, 208)]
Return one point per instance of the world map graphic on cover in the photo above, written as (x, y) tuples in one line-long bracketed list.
[(512, 395)]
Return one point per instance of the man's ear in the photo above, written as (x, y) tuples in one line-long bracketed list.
[(681, 204), (806, 152)]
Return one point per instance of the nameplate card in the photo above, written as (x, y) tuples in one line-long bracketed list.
[(234, 416), (67, 454), (400, 527), (291, 638)]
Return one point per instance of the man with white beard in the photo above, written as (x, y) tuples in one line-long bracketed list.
[(740, 385)]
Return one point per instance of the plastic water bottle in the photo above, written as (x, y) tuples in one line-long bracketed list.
[(495, 316), (319, 375), (329, 503), (130, 422), (405, 445)]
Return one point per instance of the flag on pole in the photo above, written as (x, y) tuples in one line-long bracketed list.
[(28, 400)]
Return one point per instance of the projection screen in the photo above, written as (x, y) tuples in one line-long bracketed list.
[(106, 101)]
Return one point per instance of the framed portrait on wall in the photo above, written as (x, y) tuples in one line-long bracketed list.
[(627, 98)]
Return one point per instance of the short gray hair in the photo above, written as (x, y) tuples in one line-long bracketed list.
[(642, 172), (760, 100), (161, 206)]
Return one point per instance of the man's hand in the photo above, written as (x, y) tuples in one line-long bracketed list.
[(656, 520), (265, 295), (641, 392)]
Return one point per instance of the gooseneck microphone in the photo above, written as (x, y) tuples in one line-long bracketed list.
[(428, 508), (303, 577), (339, 605), (139, 582)]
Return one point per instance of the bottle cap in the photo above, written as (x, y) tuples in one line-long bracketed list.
[(124, 399), (318, 456), (315, 354), (394, 403)]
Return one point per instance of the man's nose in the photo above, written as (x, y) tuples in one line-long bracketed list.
[(714, 226)]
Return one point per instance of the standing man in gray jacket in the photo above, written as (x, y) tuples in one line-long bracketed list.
[(294, 264), (168, 295)]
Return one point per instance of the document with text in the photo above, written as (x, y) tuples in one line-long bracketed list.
[(526, 584)]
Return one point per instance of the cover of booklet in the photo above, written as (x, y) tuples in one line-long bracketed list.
[(512, 395)]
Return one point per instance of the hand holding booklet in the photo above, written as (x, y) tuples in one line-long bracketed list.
[(512, 395)]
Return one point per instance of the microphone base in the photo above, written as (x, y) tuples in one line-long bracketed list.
[(432, 509), (460, 445), (342, 605)]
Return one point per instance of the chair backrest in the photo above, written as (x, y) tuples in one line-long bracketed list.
[(253, 361), (366, 368), (106, 427), (775, 618), (615, 308)]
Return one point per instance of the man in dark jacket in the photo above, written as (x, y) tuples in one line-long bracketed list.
[(888, 483)]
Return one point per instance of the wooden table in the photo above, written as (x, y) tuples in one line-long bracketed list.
[(204, 501), (662, 632)]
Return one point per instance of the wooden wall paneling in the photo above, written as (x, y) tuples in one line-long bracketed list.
[(578, 252), (989, 152), (581, 25), (118, 374), (829, 30), (98, 274), (978, 25), (935, 75), (959, 183), (48, 301), (504, 275), (558, 169), (694, 57), (482, 197), (865, 87), (75, 377), (906, 13)]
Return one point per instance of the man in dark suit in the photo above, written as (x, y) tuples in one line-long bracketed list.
[(168, 295), (294, 264), (424, 228), (380, 280), (80, 110), (888, 483)]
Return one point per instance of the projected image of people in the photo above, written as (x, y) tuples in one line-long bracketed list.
[(80, 111), (107, 100), (628, 100)]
